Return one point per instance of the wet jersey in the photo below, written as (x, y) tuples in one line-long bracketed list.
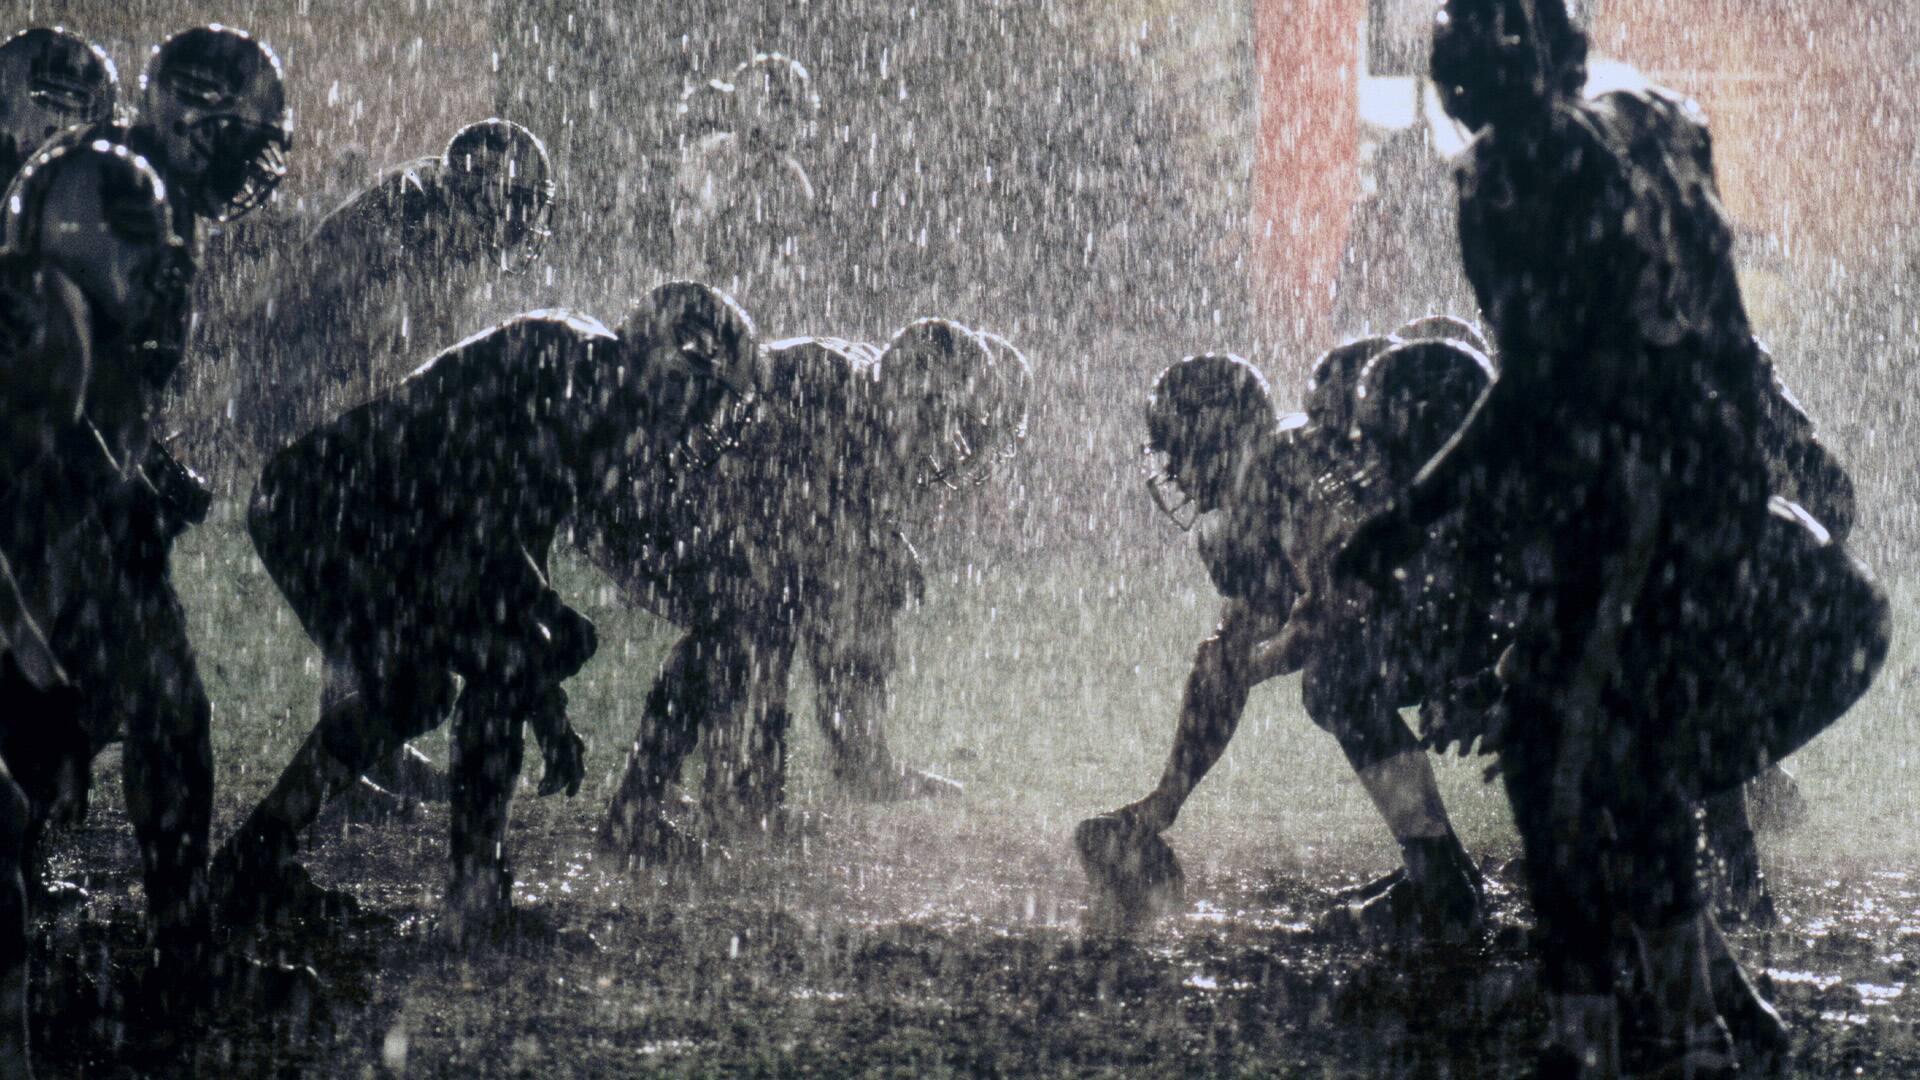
[(794, 517), (1244, 544), (443, 496)]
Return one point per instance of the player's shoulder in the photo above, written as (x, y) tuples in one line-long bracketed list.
[(379, 203), (516, 337)]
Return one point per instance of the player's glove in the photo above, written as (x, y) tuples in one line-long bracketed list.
[(566, 763), (562, 748)]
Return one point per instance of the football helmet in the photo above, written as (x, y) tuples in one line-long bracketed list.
[(1413, 397), (97, 212), (939, 399), (774, 100), (500, 172), (215, 102), (1493, 59), (1198, 411), (1444, 328), (1329, 401), (51, 79), (698, 365)]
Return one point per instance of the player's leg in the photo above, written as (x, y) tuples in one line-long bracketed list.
[(705, 675), (168, 762), (1349, 689), (488, 746), (404, 774), (851, 651), (15, 866), (746, 748), (1732, 860), (400, 698), (1564, 844)]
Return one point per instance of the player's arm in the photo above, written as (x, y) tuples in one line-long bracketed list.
[(1210, 708)]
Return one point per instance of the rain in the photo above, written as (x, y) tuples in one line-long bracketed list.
[(786, 691)]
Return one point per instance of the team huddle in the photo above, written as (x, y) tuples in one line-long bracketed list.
[(1597, 542)]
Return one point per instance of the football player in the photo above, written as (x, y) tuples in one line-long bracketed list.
[(1680, 630), (410, 536), (387, 273), (1265, 496), (94, 632), (741, 194), (212, 120), (794, 542)]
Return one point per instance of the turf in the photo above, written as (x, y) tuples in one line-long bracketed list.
[(934, 939)]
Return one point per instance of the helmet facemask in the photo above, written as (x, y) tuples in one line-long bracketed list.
[(214, 100), (501, 183)]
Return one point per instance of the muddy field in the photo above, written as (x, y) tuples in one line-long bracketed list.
[(933, 939)]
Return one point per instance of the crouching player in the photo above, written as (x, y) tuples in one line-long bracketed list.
[(794, 542), (1265, 496), (411, 536)]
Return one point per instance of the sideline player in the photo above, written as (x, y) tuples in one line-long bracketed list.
[(411, 536), (1680, 630), (93, 627)]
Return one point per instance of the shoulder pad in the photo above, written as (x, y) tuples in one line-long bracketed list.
[(576, 321)]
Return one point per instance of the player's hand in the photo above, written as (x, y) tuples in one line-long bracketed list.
[(566, 758)]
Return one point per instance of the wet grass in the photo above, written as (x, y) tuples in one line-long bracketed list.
[(937, 939)]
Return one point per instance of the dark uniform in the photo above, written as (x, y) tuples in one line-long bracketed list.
[(51, 79), (94, 635), (774, 548), (1290, 493), (1666, 651), (411, 537)]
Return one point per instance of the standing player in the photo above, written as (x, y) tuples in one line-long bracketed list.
[(388, 272), (212, 121), (1264, 494), (51, 79), (411, 537), (795, 544), (1671, 643), (91, 264)]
